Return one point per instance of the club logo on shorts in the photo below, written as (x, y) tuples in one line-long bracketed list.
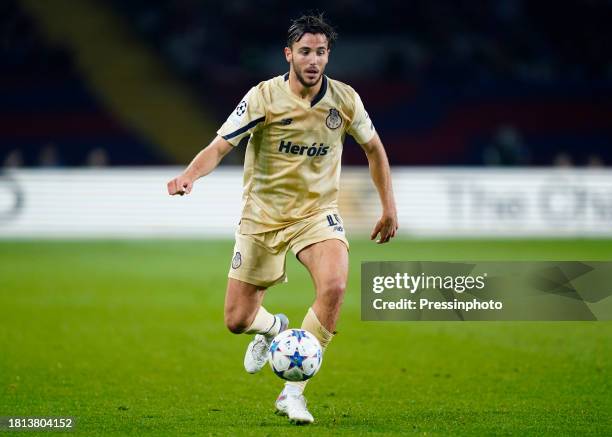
[(237, 260), (241, 108), (333, 120)]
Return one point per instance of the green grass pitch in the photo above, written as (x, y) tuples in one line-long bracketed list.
[(128, 338)]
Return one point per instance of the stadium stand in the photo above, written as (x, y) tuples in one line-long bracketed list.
[(447, 83)]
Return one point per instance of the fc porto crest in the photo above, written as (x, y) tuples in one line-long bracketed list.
[(236, 261), (333, 120)]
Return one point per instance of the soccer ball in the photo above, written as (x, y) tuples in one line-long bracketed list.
[(295, 355)]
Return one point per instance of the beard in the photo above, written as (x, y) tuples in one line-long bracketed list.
[(303, 81)]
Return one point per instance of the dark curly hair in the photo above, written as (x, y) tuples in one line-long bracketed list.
[(311, 23)]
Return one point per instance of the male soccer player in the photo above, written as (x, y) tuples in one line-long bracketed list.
[(295, 126)]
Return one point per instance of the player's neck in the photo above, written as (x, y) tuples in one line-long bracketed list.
[(302, 92)]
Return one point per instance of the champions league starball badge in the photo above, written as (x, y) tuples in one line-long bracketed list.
[(333, 120), (241, 108)]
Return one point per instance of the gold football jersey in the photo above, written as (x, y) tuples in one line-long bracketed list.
[(292, 162)]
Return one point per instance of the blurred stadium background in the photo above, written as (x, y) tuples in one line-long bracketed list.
[(504, 106), (497, 119)]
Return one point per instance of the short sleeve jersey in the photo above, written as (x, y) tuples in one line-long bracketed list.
[(293, 155)]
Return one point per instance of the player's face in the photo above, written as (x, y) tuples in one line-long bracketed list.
[(308, 58)]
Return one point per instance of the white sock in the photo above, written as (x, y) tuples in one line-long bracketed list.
[(264, 323), (294, 388), (274, 330)]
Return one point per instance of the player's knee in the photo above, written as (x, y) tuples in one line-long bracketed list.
[(236, 327), (337, 287), (334, 291), (236, 324)]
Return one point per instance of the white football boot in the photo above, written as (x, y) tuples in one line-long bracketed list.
[(293, 405), (258, 349)]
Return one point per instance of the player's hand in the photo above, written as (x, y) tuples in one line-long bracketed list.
[(180, 185), (387, 227)]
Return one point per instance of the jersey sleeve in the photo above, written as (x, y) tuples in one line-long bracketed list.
[(248, 117), (361, 127)]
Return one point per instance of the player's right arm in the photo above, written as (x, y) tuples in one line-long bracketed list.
[(247, 118), (203, 163)]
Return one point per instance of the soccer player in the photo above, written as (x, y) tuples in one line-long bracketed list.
[(295, 124)]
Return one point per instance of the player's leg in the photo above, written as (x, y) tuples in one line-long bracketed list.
[(242, 305), (255, 267), (327, 262), (244, 313)]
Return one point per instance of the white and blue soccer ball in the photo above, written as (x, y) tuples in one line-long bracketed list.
[(295, 355)]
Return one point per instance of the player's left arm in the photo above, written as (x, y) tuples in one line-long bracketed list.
[(362, 129), (380, 172)]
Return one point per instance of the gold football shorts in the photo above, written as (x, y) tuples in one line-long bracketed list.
[(259, 259)]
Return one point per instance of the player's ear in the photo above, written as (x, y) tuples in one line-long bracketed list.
[(288, 54)]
